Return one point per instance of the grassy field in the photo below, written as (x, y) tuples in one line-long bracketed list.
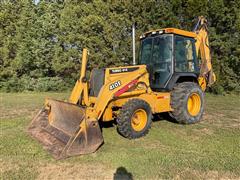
[(207, 150)]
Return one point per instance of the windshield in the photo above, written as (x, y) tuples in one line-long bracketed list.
[(156, 49)]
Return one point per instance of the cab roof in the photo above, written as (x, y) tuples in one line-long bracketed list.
[(171, 31)]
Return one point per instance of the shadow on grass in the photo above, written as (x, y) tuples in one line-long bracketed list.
[(121, 173), (107, 124), (156, 117), (164, 117)]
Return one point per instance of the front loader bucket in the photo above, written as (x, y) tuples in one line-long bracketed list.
[(64, 131)]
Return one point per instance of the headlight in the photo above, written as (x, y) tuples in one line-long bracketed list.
[(142, 36), (161, 32), (154, 32)]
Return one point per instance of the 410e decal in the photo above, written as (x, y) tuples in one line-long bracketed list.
[(114, 85)]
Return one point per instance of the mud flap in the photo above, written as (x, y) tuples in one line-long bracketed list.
[(64, 131)]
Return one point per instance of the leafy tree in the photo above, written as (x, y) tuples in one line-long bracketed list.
[(43, 42)]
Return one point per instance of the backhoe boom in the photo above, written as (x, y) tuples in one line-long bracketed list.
[(202, 46)]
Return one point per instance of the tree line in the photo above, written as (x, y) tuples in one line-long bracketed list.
[(41, 44)]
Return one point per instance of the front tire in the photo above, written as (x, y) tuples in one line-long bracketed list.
[(135, 118), (187, 101)]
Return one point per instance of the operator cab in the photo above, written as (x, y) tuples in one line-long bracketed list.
[(169, 54)]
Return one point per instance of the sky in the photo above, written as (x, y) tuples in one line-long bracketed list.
[(36, 1)]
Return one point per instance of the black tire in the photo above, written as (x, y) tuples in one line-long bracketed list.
[(124, 119), (179, 101)]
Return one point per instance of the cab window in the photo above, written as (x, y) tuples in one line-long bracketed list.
[(146, 51), (185, 54)]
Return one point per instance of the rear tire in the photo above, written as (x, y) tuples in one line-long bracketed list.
[(135, 118), (187, 101)]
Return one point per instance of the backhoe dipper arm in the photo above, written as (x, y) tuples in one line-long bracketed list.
[(202, 45)]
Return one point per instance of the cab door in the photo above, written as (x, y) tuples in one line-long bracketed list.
[(161, 61)]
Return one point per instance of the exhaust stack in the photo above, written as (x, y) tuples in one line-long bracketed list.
[(133, 43)]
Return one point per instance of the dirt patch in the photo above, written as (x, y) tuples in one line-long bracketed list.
[(204, 131), (220, 121), (74, 171), (7, 166), (16, 113), (154, 144)]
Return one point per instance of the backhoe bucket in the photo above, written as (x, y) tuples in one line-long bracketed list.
[(64, 131)]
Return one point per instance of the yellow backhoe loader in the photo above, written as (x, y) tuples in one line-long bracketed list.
[(168, 77)]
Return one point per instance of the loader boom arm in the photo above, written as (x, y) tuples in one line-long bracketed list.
[(106, 94), (81, 87), (202, 45)]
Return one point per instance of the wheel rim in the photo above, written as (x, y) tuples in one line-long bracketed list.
[(139, 120), (194, 104)]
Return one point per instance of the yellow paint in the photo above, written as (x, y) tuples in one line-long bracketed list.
[(106, 95), (202, 45), (159, 102), (81, 86), (92, 100), (194, 104), (108, 115), (139, 120), (132, 93), (174, 31), (202, 83)]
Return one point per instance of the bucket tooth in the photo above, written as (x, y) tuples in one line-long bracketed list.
[(63, 130)]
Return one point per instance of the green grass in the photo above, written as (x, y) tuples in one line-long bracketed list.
[(209, 149)]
